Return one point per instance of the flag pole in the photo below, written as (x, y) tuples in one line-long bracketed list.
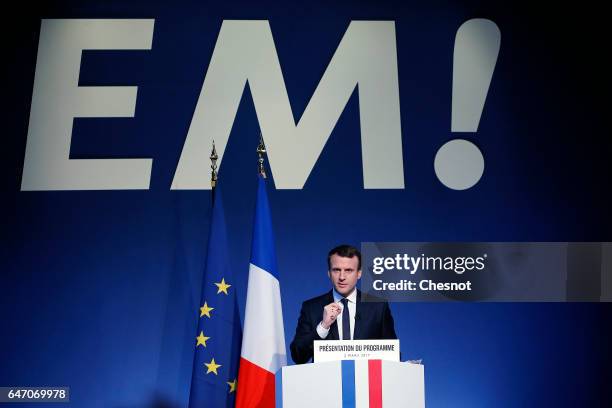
[(213, 173), (261, 151)]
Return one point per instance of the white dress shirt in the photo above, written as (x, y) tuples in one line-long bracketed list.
[(352, 306)]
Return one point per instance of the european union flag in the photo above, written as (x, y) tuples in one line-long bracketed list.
[(219, 335)]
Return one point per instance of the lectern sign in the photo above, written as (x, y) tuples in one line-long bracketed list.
[(334, 350)]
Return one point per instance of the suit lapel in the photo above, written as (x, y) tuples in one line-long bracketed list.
[(333, 329), (333, 332), (358, 316)]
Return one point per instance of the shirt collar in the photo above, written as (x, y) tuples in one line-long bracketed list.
[(352, 297)]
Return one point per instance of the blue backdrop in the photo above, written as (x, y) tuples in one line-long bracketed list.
[(99, 290)]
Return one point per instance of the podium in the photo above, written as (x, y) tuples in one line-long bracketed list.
[(351, 383)]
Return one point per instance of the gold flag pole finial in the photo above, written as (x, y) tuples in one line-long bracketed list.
[(213, 166), (261, 151)]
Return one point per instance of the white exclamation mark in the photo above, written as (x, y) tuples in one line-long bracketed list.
[(459, 164)]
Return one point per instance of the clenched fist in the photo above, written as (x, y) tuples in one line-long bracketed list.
[(330, 312)]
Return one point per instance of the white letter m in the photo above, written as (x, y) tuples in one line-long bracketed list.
[(245, 51)]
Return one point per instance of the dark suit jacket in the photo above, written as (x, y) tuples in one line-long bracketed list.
[(373, 320)]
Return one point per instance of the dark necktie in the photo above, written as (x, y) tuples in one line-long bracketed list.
[(346, 320)]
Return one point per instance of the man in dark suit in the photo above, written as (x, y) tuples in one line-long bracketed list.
[(340, 313)]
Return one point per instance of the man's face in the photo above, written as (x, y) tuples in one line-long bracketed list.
[(344, 273)]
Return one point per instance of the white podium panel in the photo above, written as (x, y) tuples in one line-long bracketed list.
[(347, 384), (403, 384), (310, 385)]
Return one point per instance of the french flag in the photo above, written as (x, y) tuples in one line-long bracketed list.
[(263, 343)]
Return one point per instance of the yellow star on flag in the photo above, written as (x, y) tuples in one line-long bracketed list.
[(212, 367), (232, 385), (222, 286), (202, 339), (205, 310)]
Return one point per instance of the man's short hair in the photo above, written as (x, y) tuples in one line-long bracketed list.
[(345, 251)]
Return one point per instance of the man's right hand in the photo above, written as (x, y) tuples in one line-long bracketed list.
[(330, 312)]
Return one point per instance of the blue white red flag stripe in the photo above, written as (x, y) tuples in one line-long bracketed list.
[(375, 383), (348, 384), (263, 345), (361, 382)]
